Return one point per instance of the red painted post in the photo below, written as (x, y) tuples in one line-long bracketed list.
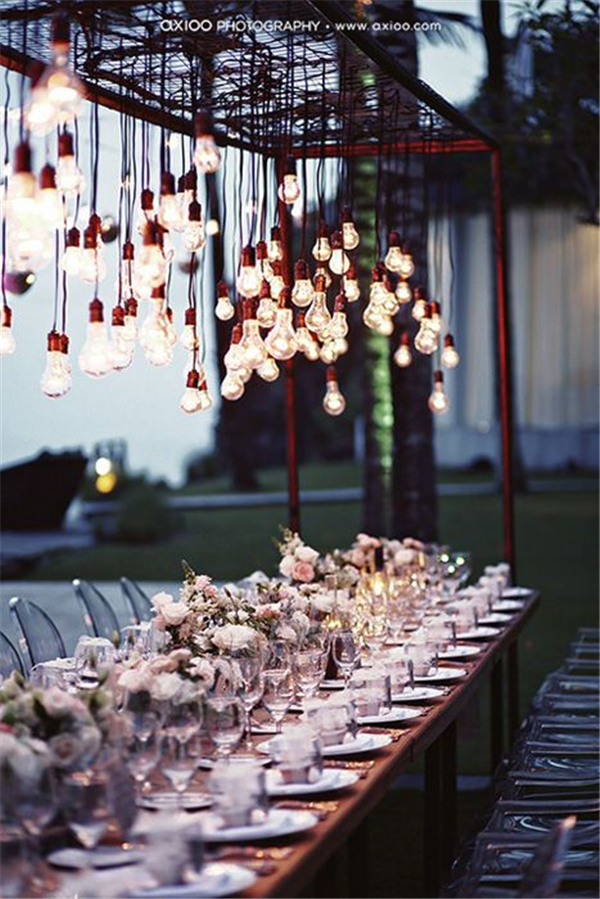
[(504, 361), (290, 392)]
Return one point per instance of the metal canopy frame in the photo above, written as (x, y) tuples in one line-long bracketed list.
[(306, 108)]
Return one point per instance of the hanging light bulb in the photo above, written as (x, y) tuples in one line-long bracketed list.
[(189, 337), (205, 399), (180, 196), (21, 190), (92, 269), (385, 326), (69, 178), (350, 236), (407, 266), (234, 357), (318, 316), (281, 339), (450, 356), (50, 201), (328, 352), (225, 309), (145, 213), (58, 85), (56, 378), (438, 401), (275, 245), (333, 402), (393, 257), (339, 262), (156, 335), (40, 113), (169, 213), (341, 345), (186, 192), (269, 370), (249, 280), (389, 303), (304, 339), (262, 260), (191, 400), (121, 347), (252, 345), (403, 292), (95, 356), (29, 246), (350, 284), (277, 282), (426, 340), (403, 355), (232, 386), (71, 258), (207, 156), (170, 326), (194, 237), (322, 248), (339, 323), (125, 283), (267, 307), (322, 271), (303, 290), (150, 267), (289, 189), (130, 329), (420, 306), (436, 319), (7, 339)]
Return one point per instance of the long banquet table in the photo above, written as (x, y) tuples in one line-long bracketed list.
[(434, 735)]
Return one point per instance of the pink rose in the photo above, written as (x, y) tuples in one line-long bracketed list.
[(303, 571), (357, 558)]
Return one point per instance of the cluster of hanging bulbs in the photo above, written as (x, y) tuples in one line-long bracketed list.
[(389, 291), (36, 209)]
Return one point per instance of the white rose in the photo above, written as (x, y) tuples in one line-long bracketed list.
[(233, 637), (174, 613), (306, 554), (135, 680), (403, 557), (165, 686), (160, 600), (287, 633), (58, 703), (243, 616), (286, 565), (323, 602)]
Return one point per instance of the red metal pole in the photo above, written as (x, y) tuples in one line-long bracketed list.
[(290, 392), (504, 361)]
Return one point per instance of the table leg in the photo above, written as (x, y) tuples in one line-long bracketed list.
[(432, 824), (513, 689), (358, 861), (497, 713), (448, 812)]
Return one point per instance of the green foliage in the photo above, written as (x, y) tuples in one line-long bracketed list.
[(143, 517)]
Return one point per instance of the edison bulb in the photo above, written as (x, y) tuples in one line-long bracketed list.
[(419, 309), (190, 401), (322, 272), (426, 341), (40, 114), (51, 207), (328, 352), (205, 398), (248, 281), (403, 356), (60, 87), (7, 339), (339, 262), (339, 325), (393, 259), (333, 401), (385, 326), (29, 246), (351, 290), (150, 266), (252, 345), (277, 285), (407, 266), (275, 248), (318, 316), (269, 370), (403, 292), (69, 178), (438, 401), (302, 292), (232, 387), (71, 260), (281, 339), (289, 189), (189, 338), (207, 156), (225, 309), (266, 312), (194, 237), (21, 193), (121, 349), (322, 249), (450, 356), (341, 345), (234, 358), (169, 213), (305, 341), (95, 355), (56, 379), (350, 236)]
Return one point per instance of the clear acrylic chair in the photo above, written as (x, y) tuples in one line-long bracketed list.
[(98, 613), (137, 601), (39, 638), (10, 660)]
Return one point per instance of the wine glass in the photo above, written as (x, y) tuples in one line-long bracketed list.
[(177, 764), (225, 723), (87, 806), (278, 693), (34, 803), (309, 670), (182, 720), (251, 689), (142, 753), (345, 653)]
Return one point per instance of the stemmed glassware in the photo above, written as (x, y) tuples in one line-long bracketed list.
[(34, 802), (225, 718), (309, 669), (279, 693), (345, 653), (250, 688), (142, 755), (182, 720), (178, 764), (88, 807)]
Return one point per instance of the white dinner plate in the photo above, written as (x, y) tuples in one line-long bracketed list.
[(508, 605), (214, 880), (235, 759), (362, 743), (395, 715), (279, 822), (332, 684), (516, 592), (331, 779), (417, 694), (100, 857), (441, 675), (479, 633), (495, 618), (173, 801), (460, 652)]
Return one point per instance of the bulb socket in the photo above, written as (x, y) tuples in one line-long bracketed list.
[(435, 307), (95, 222), (336, 240), (203, 123), (22, 158), (73, 237), (405, 339), (340, 303), (376, 274), (346, 216), (236, 333), (331, 374), (150, 234), (248, 257), (276, 268), (193, 379), (128, 251), (118, 317), (190, 317), (61, 32), (64, 344), (96, 311), (66, 146), (181, 184), (158, 293), (301, 319), (167, 184), (265, 290), (169, 314), (48, 177), (147, 199), (284, 298), (261, 250), (449, 340), (387, 283), (290, 166), (394, 240), (438, 376), (248, 309), (418, 293), (351, 274), (131, 307), (301, 272), (222, 290), (90, 238), (54, 342), (191, 180), (35, 70), (323, 229), (276, 233), (6, 316), (194, 211), (320, 284), (427, 311)]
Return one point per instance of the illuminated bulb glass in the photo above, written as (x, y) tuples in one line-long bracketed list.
[(194, 237), (171, 331), (289, 189), (234, 358), (60, 87), (266, 269), (390, 304), (269, 370), (56, 379), (266, 312), (377, 292), (450, 356), (407, 266), (207, 156), (328, 352), (225, 309), (339, 262), (50, 207), (275, 250), (232, 387), (7, 339), (438, 401), (253, 346), (190, 402), (318, 317), (338, 326), (121, 349), (169, 213), (205, 398), (435, 323), (302, 292), (130, 328), (142, 217), (277, 284), (21, 195), (150, 266), (403, 292), (92, 269), (40, 114), (281, 340), (69, 178), (29, 246), (426, 341), (95, 356), (71, 260), (154, 335), (372, 316), (189, 338), (385, 326), (351, 290), (304, 340), (419, 309), (350, 236), (249, 281), (322, 249), (403, 356), (341, 345), (323, 271), (333, 402), (168, 248), (393, 259)]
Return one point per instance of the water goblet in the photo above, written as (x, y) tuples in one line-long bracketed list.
[(225, 723), (309, 670), (250, 689), (88, 807), (278, 694), (182, 719), (345, 653), (177, 764), (142, 753)]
